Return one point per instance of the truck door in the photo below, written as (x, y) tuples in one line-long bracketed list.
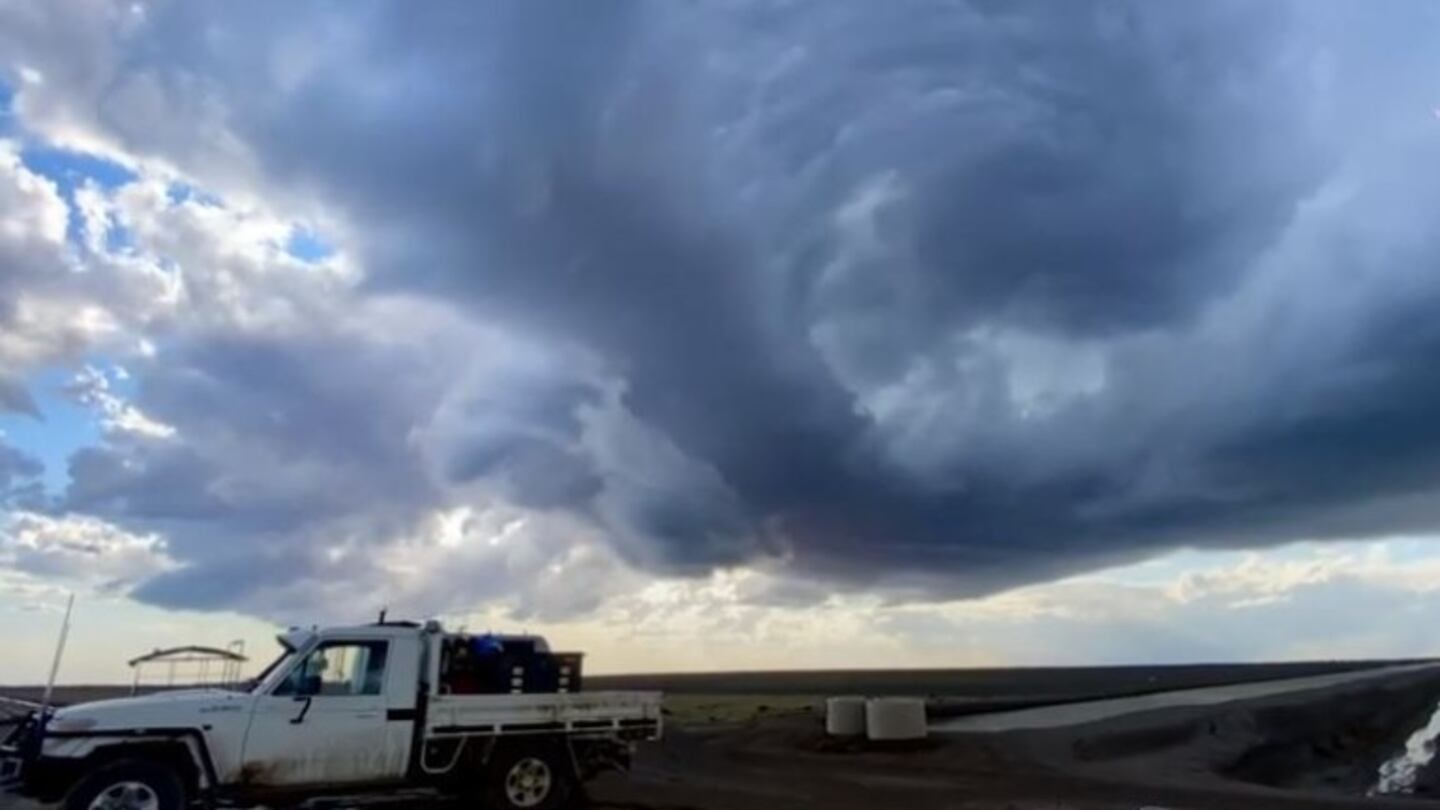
[(326, 722)]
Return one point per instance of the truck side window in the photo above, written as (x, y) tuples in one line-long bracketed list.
[(338, 669)]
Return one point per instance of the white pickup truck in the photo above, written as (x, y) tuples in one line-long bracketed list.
[(354, 711)]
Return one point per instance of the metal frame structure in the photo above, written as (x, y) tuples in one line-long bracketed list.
[(227, 663)]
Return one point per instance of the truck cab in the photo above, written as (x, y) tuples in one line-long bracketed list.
[(343, 711), (333, 711)]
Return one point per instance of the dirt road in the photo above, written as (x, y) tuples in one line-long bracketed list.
[(1071, 714)]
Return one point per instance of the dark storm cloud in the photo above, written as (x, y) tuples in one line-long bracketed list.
[(956, 294), (291, 445), (19, 478), (227, 578)]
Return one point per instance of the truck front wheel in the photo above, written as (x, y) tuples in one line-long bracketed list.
[(129, 784), (529, 777)]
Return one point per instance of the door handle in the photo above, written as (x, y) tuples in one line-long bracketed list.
[(304, 710), (367, 715)]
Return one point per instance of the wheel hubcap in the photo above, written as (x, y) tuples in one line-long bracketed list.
[(528, 782), (126, 796)]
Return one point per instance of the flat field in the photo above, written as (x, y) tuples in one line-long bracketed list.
[(754, 740)]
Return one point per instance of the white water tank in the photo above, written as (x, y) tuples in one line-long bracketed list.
[(845, 716), (895, 718)]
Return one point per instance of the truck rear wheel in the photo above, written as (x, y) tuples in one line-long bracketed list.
[(529, 777), (129, 784)]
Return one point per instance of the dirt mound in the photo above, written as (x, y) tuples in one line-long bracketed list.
[(1331, 741), (1427, 783), (1339, 746)]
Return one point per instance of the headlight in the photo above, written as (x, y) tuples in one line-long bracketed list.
[(68, 724)]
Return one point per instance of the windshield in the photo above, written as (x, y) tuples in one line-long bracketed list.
[(286, 653)]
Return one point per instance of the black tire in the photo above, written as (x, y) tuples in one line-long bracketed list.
[(529, 777), (154, 784)]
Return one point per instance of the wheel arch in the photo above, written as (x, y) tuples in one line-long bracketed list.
[(183, 749), (171, 753), (557, 745)]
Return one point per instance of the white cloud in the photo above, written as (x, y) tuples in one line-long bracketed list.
[(71, 44), (91, 388), (76, 551), (1298, 602), (56, 304), (31, 209)]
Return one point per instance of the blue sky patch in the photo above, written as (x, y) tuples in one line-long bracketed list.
[(307, 246), (118, 238), (67, 427), (69, 170), (181, 192)]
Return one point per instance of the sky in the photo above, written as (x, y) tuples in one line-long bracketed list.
[(737, 335)]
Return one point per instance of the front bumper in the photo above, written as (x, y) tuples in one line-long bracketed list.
[(22, 770), (12, 769), (14, 748)]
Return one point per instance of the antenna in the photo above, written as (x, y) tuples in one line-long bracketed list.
[(383, 611), (59, 653)]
